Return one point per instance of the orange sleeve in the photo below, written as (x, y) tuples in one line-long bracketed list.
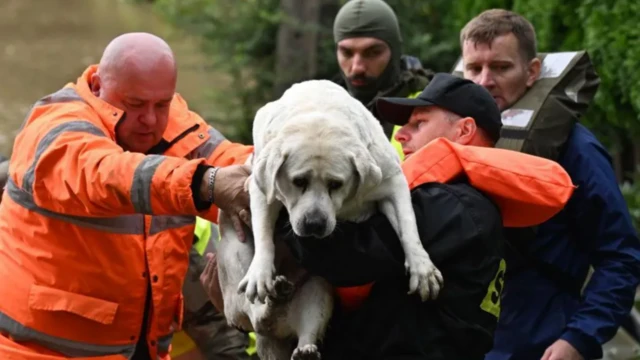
[(216, 149), (228, 153), (219, 151), (78, 170)]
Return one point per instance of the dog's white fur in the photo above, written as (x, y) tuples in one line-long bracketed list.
[(321, 154)]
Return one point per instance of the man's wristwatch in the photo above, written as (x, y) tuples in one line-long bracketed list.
[(211, 183)]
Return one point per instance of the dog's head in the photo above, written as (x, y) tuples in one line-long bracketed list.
[(313, 167)]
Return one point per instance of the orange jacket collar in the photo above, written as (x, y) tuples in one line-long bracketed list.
[(109, 114), (529, 190), (434, 162)]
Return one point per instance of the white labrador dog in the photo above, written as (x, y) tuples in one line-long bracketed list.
[(321, 154)]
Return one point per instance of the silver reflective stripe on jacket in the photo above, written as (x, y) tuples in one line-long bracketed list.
[(49, 138), (160, 223), (141, 186), (66, 347), (124, 224), (208, 147), (61, 96)]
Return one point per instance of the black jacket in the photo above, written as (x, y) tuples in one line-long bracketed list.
[(461, 230)]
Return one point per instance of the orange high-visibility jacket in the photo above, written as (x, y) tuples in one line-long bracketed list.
[(529, 190), (86, 226)]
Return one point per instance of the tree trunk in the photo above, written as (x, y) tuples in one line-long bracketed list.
[(617, 165), (297, 43), (636, 154)]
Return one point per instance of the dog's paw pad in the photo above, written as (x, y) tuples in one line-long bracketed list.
[(306, 352), (283, 288)]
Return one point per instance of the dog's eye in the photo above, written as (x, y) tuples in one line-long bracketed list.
[(334, 184), (300, 182)]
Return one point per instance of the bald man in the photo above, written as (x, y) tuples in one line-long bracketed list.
[(98, 214)]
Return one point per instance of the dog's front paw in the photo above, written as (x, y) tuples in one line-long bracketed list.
[(306, 352), (282, 290), (425, 277), (258, 282)]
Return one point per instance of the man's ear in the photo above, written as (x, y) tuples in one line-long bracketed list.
[(266, 168), (95, 84), (367, 170), (466, 130), (533, 70)]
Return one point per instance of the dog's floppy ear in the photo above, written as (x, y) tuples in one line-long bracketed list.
[(367, 169), (267, 166)]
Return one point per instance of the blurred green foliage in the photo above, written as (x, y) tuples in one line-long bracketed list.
[(631, 192), (240, 37)]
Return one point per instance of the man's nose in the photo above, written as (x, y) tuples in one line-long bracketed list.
[(486, 79), (402, 135), (149, 116), (358, 66)]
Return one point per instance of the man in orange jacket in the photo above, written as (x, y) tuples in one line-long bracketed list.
[(99, 210)]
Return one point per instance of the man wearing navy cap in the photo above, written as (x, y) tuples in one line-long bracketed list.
[(449, 107), (459, 226)]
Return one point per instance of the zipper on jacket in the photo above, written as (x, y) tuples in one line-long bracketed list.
[(161, 147)]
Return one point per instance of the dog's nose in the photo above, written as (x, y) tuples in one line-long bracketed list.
[(315, 224)]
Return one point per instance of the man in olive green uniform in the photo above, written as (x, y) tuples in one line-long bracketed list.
[(369, 52)]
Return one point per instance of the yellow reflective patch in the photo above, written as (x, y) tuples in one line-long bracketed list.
[(414, 95), (393, 140), (181, 344), (395, 143), (491, 301), (251, 349), (203, 232)]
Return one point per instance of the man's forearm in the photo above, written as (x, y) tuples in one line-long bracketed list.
[(607, 299)]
